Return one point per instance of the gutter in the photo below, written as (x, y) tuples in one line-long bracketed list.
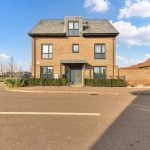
[(47, 34)]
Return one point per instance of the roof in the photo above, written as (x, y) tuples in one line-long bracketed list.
[(57, 27), (49, 27), (99, 26), (141, 65)]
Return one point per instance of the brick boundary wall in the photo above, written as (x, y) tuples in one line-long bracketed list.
[(135, 76)]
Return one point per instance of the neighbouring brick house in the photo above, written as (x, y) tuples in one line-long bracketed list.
[(74, 47), (137, 74)]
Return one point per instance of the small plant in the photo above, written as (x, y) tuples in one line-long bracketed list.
[(9, 82)]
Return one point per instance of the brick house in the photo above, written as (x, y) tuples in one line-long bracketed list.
[(73, 47)]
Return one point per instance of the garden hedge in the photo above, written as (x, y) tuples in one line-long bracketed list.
[(118, 83), (11, 82), (35, 82), (105, 82)]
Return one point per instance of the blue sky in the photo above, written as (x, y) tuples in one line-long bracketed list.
[(130, 17)]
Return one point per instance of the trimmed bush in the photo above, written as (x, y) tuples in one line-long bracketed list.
[(98, 82), (118, 83), (105, 82), (35, 82), (32, 82)]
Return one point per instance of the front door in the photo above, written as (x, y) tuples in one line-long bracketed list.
[(76, 74)]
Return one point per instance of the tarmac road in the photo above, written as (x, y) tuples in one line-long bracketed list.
[(35, 121)]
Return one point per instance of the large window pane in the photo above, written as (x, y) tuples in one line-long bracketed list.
[(45, 49), (45, 56), (46, 72), (100, 51), (99, 56), (76, 32), (103, 70), (75, 48), (100, 72), (73, 28), (50, 49), (71, 32), (103, 49), (50, 70), (76, 25), (70, 25), (96, 70), (50, 56)]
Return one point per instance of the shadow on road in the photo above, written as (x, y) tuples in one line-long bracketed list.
[(131, 130)]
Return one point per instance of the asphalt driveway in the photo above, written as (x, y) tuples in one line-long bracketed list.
[(47, 121)]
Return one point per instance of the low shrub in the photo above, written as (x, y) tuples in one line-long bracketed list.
[(118, 83), (105, 82), (32, 82), (2, 79), (9, 82), (98, 82)]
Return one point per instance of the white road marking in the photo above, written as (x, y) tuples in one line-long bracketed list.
[(50, 113)]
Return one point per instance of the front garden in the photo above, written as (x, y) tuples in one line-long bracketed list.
[(21, 82)]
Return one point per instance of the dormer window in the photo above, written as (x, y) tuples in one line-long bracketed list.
[(73, 29)]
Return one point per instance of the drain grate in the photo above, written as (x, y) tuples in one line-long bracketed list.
[(94, 94)]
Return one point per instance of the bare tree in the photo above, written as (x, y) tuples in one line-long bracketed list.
[(11, 66), (1, 68)]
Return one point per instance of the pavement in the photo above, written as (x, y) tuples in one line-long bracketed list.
[(82, 90), (74, 121)]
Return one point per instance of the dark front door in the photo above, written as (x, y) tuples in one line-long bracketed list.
[(76, 74)]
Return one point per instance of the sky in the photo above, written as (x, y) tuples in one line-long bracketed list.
[(130, 17)]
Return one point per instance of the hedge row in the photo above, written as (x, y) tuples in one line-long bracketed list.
[(62, 82), (35, 82), (105, 82)]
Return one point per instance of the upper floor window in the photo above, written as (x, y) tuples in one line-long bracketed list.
[(47, 51), (100, 51), (75, 48), (73, 29), (46, 72), (100, 72)]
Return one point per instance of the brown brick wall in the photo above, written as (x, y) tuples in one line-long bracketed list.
[(62, 49), (136, 76)]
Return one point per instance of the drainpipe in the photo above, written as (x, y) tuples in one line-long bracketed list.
[(114, 58), (34, 56), (83, 75)]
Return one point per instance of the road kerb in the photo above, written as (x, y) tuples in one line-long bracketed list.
[(53, 92)]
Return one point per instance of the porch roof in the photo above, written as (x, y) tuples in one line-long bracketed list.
[(82, 61)]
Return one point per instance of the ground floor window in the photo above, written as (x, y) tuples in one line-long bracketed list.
[(100, 72), (46, 72)]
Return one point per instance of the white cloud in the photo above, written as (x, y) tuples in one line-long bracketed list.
[(121, 58), (97, 5), (3, 56), (124, 61), (135, 8), (147, 55), (132, 35)]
